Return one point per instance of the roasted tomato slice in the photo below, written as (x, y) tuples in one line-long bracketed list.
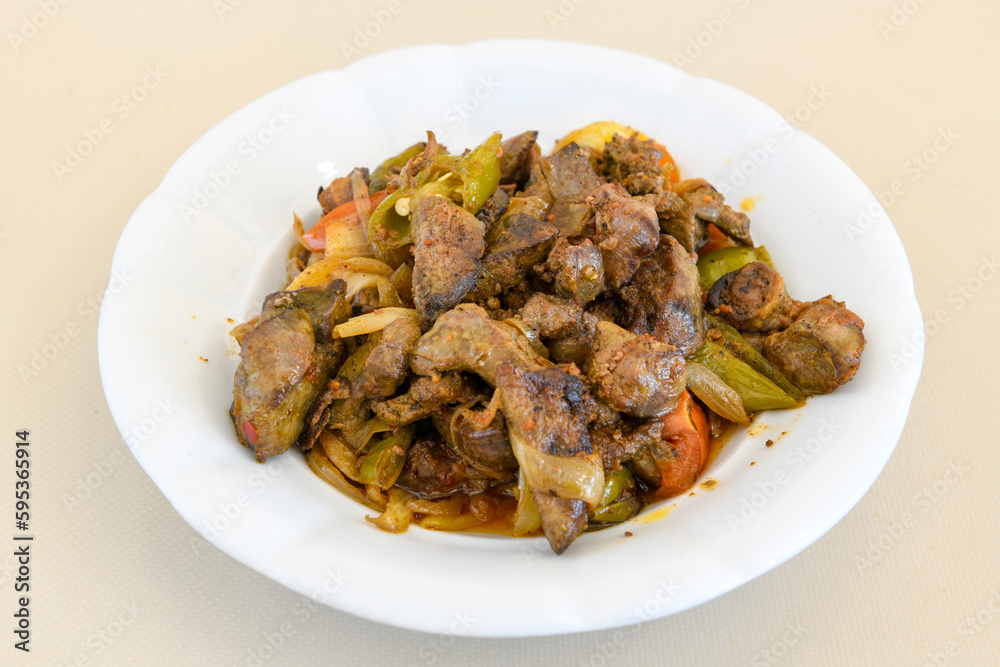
[(672, 465)]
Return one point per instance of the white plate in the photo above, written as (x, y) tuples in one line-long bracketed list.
[(210, 242)]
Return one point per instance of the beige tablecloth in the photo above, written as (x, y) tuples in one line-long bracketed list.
[(905, 91)]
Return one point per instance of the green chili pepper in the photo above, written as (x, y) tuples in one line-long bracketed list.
[(468, 179), (717, 263), (764, 256), (756, 391), (479, 171), (616, 512), (386, 170), (614, 483), (748, 354), (386, 227), (385, 459)]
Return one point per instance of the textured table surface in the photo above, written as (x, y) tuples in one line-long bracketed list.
[(905, 92)]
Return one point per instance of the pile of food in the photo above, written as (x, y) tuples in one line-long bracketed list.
[(500, 341)]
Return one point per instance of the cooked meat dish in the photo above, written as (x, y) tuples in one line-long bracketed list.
[(505, 341)]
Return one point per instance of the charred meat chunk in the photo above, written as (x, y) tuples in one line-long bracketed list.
[(607, 309), (389, 362), (338, 193), (514, 245), (547, 412), (494, 208), (821, 350), (576, 272), (569, 174), (563, 519), (318, 415), (285, 361), (325, 305), (484, 447), (571, 179), (567, 328), (519, 152), (552, 317), (433, 470), (466, 339), (549, 406), (424, 396), (637, 375), (664, 298), (753, 298), (279, 375), (706, 203), (447, 246), (572, 349), (626, 231), (535, 185), (700, 204), (635, 163), (618, 443)]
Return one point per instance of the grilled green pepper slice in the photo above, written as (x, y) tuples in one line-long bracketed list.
[(755, 390), (616, 512), (748, 354), (479, 172), (385, 459), (615, 482)]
